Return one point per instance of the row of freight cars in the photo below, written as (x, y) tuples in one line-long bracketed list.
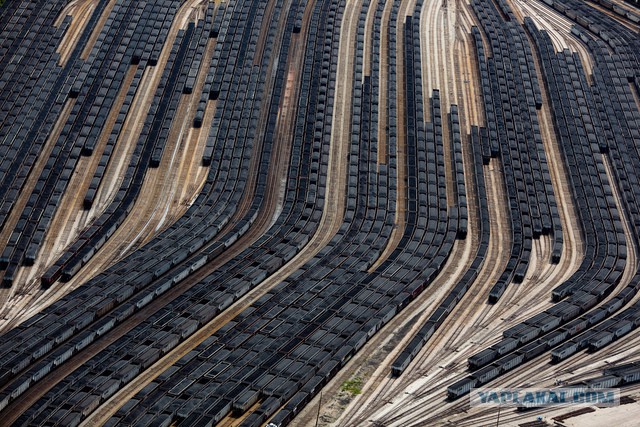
[(623, 12), (149, 272), (58, 350), (616, 376), (96, 302), (445, 308), (299, 398), (307, 89), (619, 120), (479, 140), (575, 323), (300, 232), (298, 305), (274, 393), (511, 96), (314, 322), (627, 373), (186, 53), (30, 80), (620, 38), (102, 75), (510, 352)]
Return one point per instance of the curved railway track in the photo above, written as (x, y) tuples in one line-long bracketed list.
[(247, 212)]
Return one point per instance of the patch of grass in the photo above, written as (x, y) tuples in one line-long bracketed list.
[(352, 386)]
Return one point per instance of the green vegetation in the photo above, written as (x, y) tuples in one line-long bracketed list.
[(353, 386)]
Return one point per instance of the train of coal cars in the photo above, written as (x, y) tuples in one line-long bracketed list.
[(317, 319), (590, 316), (615, 376), (512, 95)]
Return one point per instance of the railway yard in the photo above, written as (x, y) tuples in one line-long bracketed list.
[(329, 212)]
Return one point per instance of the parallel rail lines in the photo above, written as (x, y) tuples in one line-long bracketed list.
[(335, 164)]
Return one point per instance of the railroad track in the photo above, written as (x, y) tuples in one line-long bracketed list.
[(271, 198), (562, 269), (61, 235)]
